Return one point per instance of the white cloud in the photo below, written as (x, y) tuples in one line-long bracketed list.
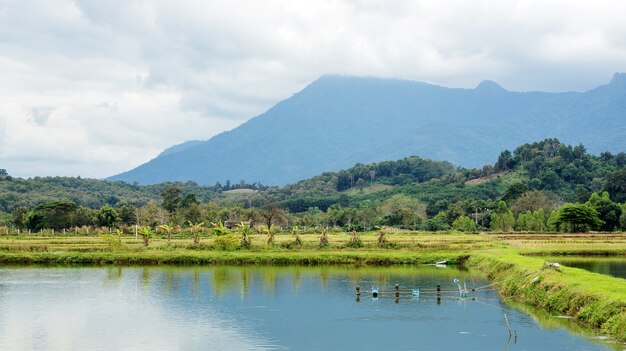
[(93, 88)]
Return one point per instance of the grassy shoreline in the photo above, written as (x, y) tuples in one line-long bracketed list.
[(595, 300)]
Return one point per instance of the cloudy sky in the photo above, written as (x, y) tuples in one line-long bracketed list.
[(93, 88)]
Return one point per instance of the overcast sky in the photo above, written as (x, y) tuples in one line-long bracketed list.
[(93, 88)]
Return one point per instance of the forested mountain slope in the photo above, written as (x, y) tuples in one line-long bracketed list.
[(337, 121)]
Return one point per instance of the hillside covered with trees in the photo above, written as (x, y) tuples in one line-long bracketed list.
[(543, 186)]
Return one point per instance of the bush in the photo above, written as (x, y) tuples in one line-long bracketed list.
[(226, 243)]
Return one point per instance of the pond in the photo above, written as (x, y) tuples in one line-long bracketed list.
[(266, 308), (613, 266)]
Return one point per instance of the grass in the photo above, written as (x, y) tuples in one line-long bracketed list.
[(595, 300)]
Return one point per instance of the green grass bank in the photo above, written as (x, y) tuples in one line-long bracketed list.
[(318, 257), (595, 300)]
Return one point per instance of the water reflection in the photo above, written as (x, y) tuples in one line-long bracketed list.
[(259, 308), (613, 266)]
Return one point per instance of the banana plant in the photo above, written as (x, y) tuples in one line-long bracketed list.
[(296, 234), (146, 233), (246, 232), (218, 228), (271, 232), (168, 229), (195, 231)]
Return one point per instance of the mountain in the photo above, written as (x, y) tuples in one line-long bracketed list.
[(338, 121)]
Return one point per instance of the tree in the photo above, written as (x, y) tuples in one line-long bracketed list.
[(464, 224), (502, 219), (171, 198), (52, 215), (616, 185), (514, 191), (19, 217), (273, 214), (608, 211), (107, 217), (581, 218), (360, 184), (127, 213), (3, 172), (402, 210), (437, 223)]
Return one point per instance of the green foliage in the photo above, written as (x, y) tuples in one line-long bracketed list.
[(168, 229), (355, 241), (108, 217), (195, 230), (226, 243), (464, 224), (52, 215), (114, 242), (437, 223), (502, 220), (246, 232), (146, 233), (171, 198), (615, 184), (608, 211), (324, 238), (582, 218), (401, 210)]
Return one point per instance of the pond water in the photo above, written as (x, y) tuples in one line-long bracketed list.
[(613, 266), (265, 308)]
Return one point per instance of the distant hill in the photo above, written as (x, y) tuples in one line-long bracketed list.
[(338, 121)]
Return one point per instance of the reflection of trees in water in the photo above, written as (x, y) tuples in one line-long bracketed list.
[(245, 277), (222, 280), (297, 275), (172, 281), (145, 277), (114, 274), (324, 278), (268, 281), (196, 282)]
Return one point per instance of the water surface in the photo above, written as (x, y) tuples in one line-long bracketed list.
[(613, 266), (264, 308)]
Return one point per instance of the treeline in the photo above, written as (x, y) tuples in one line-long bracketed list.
[(542, 186), (94, 193), (533, 211)]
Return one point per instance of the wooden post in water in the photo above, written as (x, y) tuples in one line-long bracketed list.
[(397, 293), (438, 294), (358, 294)]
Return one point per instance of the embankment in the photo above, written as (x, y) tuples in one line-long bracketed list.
[(592, 299)]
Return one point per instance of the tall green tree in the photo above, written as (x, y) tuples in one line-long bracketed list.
[(581, 218), (171, 198), (502, 219), (108, 217), (52, 215), (608, 211)]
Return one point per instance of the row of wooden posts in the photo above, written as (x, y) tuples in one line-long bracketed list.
[(375, 293)]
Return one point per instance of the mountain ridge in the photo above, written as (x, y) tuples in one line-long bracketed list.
[(337, 121)]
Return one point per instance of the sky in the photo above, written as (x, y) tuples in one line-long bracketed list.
[(94, 88)]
